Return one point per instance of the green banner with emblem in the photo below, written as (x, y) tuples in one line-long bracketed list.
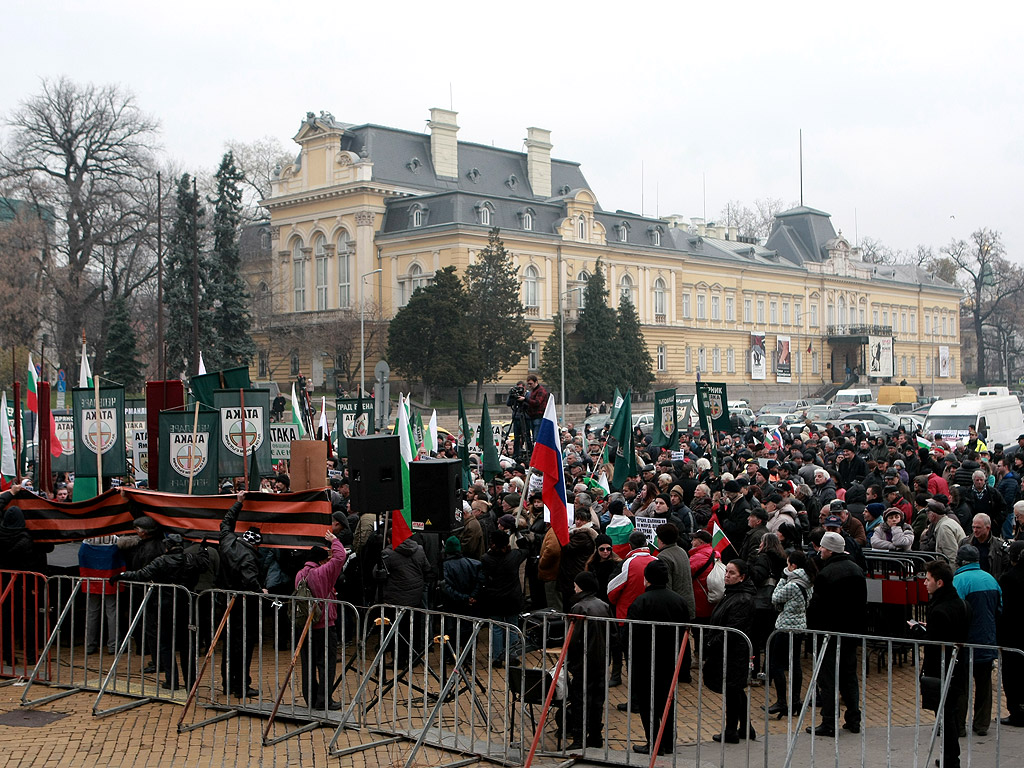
[(713, 406), (189, 446), (242, 438), (666, 423), (99, 431), (65, 423), (354, 419)]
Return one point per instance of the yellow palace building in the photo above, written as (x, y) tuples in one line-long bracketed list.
[(363, 198)]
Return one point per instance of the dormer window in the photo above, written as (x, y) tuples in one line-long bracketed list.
[(581, 228), (485, 214), (654, 233), (623, 232), (418, 216), (527, 221)]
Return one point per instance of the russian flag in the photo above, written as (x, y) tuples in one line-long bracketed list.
[(547, 458)]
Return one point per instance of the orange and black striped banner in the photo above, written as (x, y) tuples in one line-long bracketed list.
[(286, 520)]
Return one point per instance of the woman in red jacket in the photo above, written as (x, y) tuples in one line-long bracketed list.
[(702, 560)]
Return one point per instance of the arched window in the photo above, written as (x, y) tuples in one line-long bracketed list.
[(623, 232), (417, 218), (530, 289), (659, 297), (582, 278), (581, 227), (298, 275), (344, 270), (485, 215), (413, 280), (527, 221), (320, 253), (655, 236), (626, 287)]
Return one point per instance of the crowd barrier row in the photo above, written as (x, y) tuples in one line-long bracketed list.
[(500, 689)]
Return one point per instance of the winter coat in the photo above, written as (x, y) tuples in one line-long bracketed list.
[(995, 557), (240, 570), (900, 538), (472, 538), (701, 509), (947, 534), (461, 582), (791, 596), (587, 647), (825, 493), (657, 608), (501, 593), (550, 555), (752, 542), (782, 515), (947, 621), (679, 580), (138, 552), (982, 594), (321, 578), (363, 530), (733, 519), (17, 550), (700, 555), (1012, 586), (605, 570), (408, 573), (624, 588), (574, 559), (735, 611), (765, 570), (840, 598)]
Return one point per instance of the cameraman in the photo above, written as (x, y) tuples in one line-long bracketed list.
[(520, 424), (535, 400)]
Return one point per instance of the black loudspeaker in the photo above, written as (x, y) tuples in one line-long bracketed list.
[(434, 486), (375, 475)]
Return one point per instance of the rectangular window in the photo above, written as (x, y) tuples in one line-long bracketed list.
[(702, 359), (748, 313), (344, 280), (913, 322), (814, 315), (534, 357), (661, 357), (701, 309), (952, 326), (760, 311), (874, 317), (798, 314), (295, 365), (299, 278), (862, 316), (689, 360), (815, 363), (885, 317), (927, 325), (730, 360), (831, 314), (943, 325), (263, 365), (730, 309), (913, 365), (774, 312), (716, 360), (686, 304), (321, 283), (716, 308), (903, 322), (785, 313), (935, 325)]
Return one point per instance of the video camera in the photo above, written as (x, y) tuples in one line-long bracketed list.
[(514, 393)]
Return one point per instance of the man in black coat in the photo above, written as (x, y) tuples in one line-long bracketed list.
[(838, 604), (1009, 634), (734, 611), (948, 621), (650, 669), (587, 665), (240, 572), (735, 512)]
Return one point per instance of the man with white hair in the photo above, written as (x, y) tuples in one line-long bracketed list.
[(985, 500), (824, 488), (944, 528), (991, 549)]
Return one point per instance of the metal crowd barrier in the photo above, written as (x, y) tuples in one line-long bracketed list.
[(24, 621), (849, 669), (125, 640)]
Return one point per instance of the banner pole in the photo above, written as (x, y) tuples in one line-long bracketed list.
[(245, 449), (99, 431), (191, 462)]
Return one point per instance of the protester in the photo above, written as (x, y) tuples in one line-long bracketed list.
[(984, 600), (585, 662), (736, 612), (791, 596)]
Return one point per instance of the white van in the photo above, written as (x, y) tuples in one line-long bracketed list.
[(852, 397), (997, 418)]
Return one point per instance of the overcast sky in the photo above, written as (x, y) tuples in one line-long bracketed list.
[(911, 129)]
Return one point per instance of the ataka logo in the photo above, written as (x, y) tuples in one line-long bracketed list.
[(189, 458), (237, 432), (715, 406), (668, 420), (99, 433), (144, 462)]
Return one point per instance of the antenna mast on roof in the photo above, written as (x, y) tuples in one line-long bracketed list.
[(801, 167), (641, 187)]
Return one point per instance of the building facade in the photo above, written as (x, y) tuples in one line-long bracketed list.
[(366, 214)]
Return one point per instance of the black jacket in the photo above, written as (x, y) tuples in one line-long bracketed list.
[(239, 566), (17, 551), (735, 611), (588, 639), (138, 552), (734, 520), (661, 606), (948, 621), (1012, 585), (501, 594), (461, 582), (175, 567), (840, 598), (408, 573)]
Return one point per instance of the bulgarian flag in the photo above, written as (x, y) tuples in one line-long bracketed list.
[(84, 372), (619, 528), (923, 443), (297, 414), (401, 524), (719, 541), (32, 399), (7, 466)]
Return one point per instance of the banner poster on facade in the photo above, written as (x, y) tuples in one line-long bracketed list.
[(880, 360), (99, 431), (944, 363), (713, 406), (182, 453), (758, 356), (65, 422), (243, 435), (355, 419), (666, 425), (135, 429), (784, 360)]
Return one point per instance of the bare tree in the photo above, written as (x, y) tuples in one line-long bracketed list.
[(990, 281), (81, 150), (757, 221), (22, 243), (258, 161)]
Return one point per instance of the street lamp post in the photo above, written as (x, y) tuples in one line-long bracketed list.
[(561, 342), (362, 332)]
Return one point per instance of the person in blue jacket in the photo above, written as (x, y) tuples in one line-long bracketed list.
[(984, 598)]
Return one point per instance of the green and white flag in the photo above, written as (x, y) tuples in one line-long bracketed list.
[(184, 453), (430, 436), (401, 524), (713, 406), (84, 373), (625, 455), (464, 437), (616, 404), (101, 432), (7, 466), (666, 432), (420, 433), (297, 414), (491, 464)]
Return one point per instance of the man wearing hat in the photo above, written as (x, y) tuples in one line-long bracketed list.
[(734, 512), (756, 528), (984, 598), (138, 551), (834, 524), (585, 661), (838, 604), (944, 529), (653, 613), (319, 654)]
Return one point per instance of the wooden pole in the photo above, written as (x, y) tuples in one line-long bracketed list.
[(245, 448), (99, 434), (191, 462)]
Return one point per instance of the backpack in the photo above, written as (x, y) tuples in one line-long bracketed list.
[(309, 604)]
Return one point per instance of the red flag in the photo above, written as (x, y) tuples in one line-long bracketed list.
[(809, 347)]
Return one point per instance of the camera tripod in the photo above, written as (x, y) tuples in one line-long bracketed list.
[(522, 445)]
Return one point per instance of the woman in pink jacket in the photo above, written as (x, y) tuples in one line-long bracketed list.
[(319, 653)]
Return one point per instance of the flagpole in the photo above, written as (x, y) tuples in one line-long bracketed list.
[(99, 433), (245, 450), (191, 461)]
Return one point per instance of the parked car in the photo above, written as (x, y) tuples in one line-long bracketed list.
[(884, 423), (645, 421), (869, 427), (823, 413), (744, 416)]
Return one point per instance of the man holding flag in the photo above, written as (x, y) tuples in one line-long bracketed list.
[(547, 459)]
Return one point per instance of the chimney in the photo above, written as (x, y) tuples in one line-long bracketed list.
[(444, 144), (538, 160)]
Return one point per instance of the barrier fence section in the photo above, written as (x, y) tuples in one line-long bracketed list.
[(442, 680), (123, 638), (618, 689), (24, 622), (274, 656), (839, 685)]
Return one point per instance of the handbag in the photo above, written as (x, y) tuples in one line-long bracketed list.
[(931, 692)]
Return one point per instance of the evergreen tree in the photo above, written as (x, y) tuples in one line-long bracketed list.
[(495, 312), (178, 283), (121, 363), (595, 341), (227, 291), (636, 370), (430, 339), (551, 363)]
